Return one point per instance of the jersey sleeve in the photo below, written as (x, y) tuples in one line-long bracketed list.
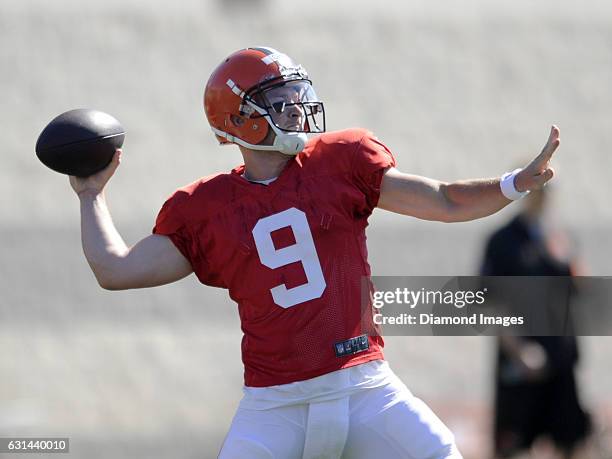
[(171, 223), (370, 160)]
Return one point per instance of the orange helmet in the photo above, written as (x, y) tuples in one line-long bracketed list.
[(266, 90)]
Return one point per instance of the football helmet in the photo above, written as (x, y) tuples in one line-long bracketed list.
[(258, 89)]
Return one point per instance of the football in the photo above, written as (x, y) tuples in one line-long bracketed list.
[(80, 142)]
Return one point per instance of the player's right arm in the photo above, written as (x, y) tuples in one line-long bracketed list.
[(153, 261)]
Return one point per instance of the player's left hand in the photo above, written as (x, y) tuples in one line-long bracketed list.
[(539, 172)]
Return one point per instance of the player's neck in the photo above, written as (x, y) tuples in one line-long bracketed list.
[(263, 165)]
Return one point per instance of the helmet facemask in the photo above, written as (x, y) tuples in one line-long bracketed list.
[(291, 108)]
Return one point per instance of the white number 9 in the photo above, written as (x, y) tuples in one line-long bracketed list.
[(303, 250)]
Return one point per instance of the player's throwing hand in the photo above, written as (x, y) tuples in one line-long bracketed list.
[(95, 183), (539, 172)]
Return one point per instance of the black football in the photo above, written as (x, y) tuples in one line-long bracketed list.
[(79, 142)]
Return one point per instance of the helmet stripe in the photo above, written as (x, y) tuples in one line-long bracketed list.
[(265, 49), (271, 55), (235, 89)]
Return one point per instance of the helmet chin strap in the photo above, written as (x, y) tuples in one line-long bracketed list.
[(288, 143)]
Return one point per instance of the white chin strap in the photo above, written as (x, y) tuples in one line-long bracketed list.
[(289, 143)]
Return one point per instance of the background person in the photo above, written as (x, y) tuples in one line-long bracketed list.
[(536, 392)]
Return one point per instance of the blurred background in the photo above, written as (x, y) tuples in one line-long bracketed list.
[(455, 89)]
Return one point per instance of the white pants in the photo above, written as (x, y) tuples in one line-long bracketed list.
[(383, 422)]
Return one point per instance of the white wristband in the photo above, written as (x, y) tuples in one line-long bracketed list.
[(507, 186)]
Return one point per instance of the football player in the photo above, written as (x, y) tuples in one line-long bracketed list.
[(285, 234)]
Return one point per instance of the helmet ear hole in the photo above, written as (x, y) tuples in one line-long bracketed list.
[(251, 130), (255, 130), (236, 120)]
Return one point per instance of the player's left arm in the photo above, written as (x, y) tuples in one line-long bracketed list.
[(464, 200)]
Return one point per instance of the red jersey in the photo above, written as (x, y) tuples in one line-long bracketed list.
[(292, 255)]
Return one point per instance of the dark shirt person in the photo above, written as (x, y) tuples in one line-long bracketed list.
[(535, 385)]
